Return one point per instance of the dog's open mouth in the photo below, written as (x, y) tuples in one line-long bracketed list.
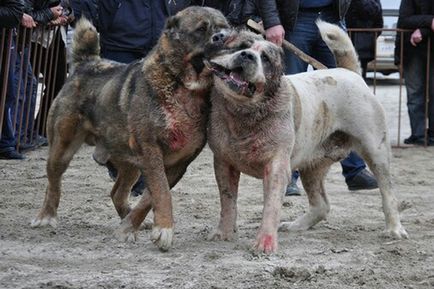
[(234, 79)]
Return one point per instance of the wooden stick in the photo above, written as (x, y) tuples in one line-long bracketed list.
[(289, 46)]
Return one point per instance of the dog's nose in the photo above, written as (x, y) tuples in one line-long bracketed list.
[(219, 37), (246, 55)]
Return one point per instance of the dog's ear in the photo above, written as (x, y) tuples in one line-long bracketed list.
[(172, 25)]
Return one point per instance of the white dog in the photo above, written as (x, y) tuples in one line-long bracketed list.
[(263, 124)]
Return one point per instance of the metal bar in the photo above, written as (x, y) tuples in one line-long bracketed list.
[(49, 89), (401, 82), (428, 60), (30, 96), (42, 110), (39, 57), (22, 37)]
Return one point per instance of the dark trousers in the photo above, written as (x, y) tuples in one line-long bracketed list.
[(307, 37), (415, 65), (7, 138)]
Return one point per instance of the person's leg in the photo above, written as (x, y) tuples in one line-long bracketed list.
[(414, 74), (303, 35), (7, 138)]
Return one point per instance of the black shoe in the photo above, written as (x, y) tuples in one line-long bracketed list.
[(41, 141), (26, 147), (11, 155), (364, 180), (292, 190), (414, 140)]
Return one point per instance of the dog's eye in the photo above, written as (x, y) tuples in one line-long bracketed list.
[(265, 58), (202, 28)]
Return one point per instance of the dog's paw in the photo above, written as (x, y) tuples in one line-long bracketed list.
[(162, 237), (220, 235), (126, 232), (266, 243), (292, 227), (397, 233), (44, 221)]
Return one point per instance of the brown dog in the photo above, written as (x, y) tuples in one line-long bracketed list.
[(147, 116), (263, 124)]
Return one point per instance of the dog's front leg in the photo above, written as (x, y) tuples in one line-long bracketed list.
[(227, 180), (158, 186), (275, 179)]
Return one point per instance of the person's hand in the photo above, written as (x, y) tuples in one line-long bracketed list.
[(27, 21), (416, 37), (432, 25), (57, 11), (275, 34), (62, 20)]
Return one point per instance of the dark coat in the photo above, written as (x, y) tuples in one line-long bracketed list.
[(415, 14), (284, 12), (365, 14), (11, 12), (40, 10), (134, 26)]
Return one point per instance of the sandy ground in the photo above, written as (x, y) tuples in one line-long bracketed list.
[(346, 251)]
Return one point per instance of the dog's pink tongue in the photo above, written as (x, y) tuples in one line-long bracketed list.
[(235, 76)]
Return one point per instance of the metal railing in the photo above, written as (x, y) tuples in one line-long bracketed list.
[(36, 61)]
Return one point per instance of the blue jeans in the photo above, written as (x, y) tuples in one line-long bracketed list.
[(415, 65), (307, 37), (7, 138)]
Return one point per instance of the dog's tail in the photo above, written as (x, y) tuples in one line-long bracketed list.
[(85, 46), (340, 44)]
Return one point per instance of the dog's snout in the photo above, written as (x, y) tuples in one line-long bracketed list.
[(246, 55), (219, 37)]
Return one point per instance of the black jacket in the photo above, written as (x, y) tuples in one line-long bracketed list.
[(284, 12), (134, 25), (415, 14), (364, 14), (11, 12), (40, 10)]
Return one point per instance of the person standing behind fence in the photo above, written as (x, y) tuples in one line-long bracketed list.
[(11, 12), (364, 14), (418, 15), (294, 20)]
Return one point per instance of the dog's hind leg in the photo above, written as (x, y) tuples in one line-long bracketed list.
[(313, 183), (127, 176), (64, 141), (375, 150)]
